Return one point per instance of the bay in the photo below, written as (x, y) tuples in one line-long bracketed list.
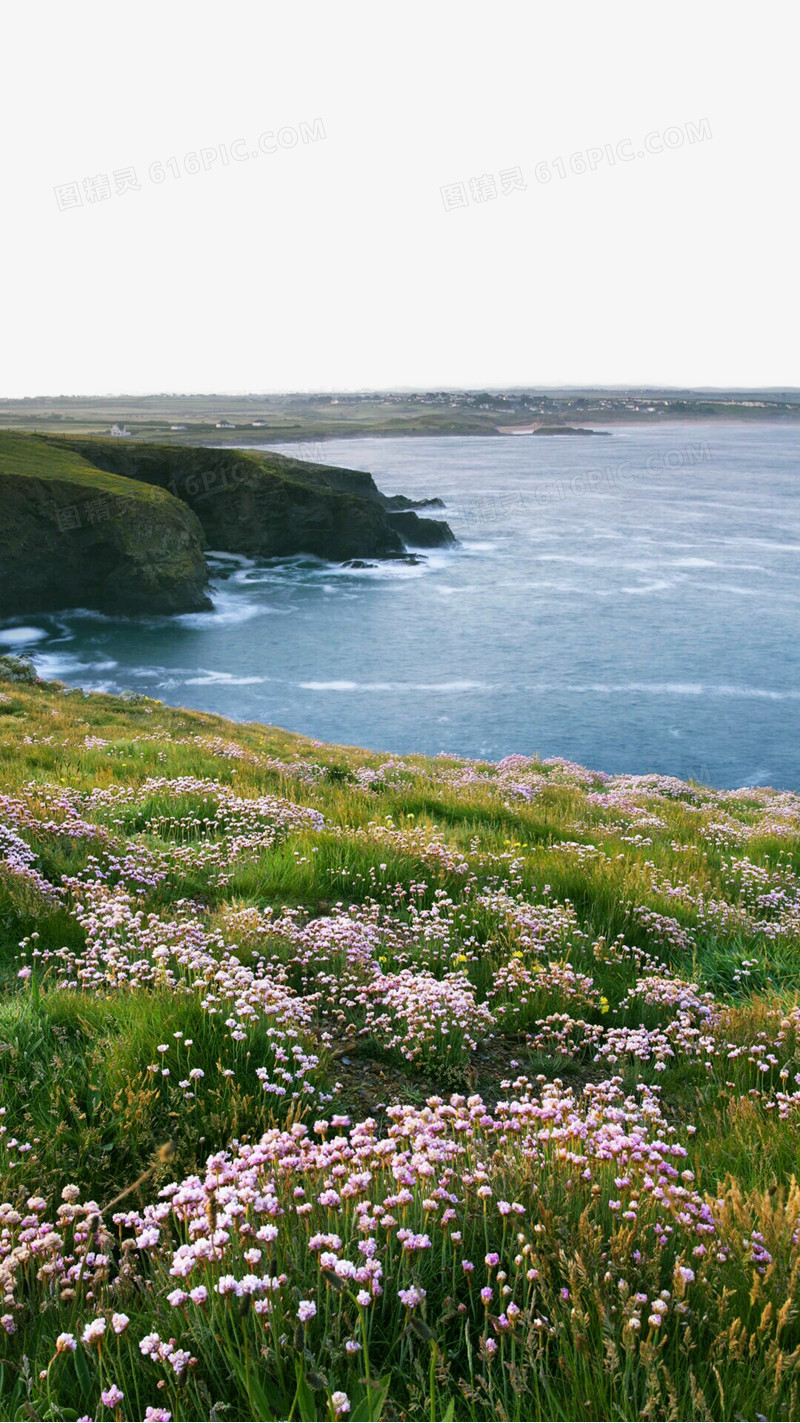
[(631, 602)]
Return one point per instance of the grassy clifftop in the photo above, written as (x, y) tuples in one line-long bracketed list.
[(337, 1084), (75, 535), (168, 464), (261, 503), (38, 457), (121, 526)]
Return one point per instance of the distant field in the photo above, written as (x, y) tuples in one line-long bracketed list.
[(337, 1085), (308, 418)]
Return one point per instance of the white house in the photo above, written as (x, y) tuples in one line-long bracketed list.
[(225, 425), (119, 430)]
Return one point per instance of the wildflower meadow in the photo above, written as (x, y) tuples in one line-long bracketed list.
[(337, 1085)]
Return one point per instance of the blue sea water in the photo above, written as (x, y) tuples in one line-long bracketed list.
[(631, 602)]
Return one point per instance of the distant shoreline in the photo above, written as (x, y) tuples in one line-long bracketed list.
[(265, 438), (252, 420)]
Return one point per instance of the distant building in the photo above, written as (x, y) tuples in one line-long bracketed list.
[(225, 425), (119, 430), (177, 427), (258, 424)]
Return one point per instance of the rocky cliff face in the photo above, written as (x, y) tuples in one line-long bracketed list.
[(121, 527), (269, 505), (421, 533), (69, 540)]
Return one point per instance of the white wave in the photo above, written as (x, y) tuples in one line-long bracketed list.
[(223, 679), (227, 608), (220, 556), (112, 688), (735, 541), (53, 666), (756, 778), (342, 686), (666, 689), (691, 563), (21, 637), (766, 692), (745, 592)]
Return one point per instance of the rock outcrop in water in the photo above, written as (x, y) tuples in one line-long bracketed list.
[(567, 430), (424, 533), (120, 526)]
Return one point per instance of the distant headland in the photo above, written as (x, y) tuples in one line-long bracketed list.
[(122, 527)]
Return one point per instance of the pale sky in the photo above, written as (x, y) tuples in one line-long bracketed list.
[(334, 259)]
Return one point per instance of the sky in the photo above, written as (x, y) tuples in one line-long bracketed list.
[(331, 196)]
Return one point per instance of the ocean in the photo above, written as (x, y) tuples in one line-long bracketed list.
[(630, 602)]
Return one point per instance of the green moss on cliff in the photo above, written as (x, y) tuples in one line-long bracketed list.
[(37, 457), (75, 535), (265, 504)]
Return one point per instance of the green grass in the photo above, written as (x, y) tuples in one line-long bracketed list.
[(36, 457), (96, 1090)]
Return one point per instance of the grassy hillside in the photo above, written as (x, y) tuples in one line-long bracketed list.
[(38, 457), (339, 1085), (73, 535)]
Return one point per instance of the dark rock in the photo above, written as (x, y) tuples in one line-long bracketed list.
[(66, 542), (425, 533), (399, 502), (567, 430), (268, 505)]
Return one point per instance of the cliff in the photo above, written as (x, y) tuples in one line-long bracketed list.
[(121, 527), (74, 536), (269, 505)]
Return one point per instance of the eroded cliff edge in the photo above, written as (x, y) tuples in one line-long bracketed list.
[(73, 536), (268, 505), (121, 527)]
